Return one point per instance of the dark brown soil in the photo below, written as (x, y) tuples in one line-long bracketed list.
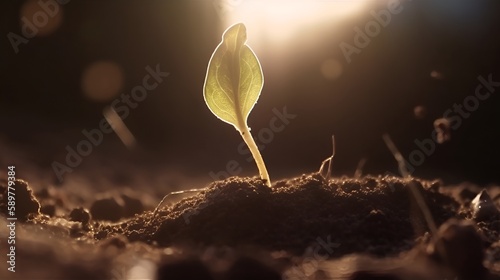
[(292, 216), (303, 228)]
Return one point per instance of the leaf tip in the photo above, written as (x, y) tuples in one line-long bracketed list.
[(235, 35)]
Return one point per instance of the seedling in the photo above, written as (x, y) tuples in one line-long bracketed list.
[(232, 86)]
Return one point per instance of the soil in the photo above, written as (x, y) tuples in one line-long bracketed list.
[(303, 228)]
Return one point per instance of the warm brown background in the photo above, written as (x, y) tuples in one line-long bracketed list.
[(42, 107)]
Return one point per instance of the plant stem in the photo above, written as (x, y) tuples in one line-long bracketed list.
[(247, 137), (403, 169)]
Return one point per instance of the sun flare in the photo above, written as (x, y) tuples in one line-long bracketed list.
[(278, 21)]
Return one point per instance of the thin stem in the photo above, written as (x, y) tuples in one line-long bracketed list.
[(403, 169), (322, 167), (413, 189), (155, 212), (247, 137), (329, 160), (359, 168), (329, 173)]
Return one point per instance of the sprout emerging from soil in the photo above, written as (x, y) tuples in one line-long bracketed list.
[(233, 84)]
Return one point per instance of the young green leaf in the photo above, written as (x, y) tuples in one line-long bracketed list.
[(234, 78), (233, 84)]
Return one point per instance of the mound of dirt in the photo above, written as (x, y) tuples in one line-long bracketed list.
[(370, 215), (302, 228)]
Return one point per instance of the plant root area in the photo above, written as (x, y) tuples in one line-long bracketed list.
[(302, 228)]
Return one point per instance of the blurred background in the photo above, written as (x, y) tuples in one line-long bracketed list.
[(353, 68)]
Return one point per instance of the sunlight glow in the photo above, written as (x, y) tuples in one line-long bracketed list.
[(279, 21)]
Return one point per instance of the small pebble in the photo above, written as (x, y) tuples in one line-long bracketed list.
[(26, 203), (108, 209), (80, 215), (483, 207), (132, 206)]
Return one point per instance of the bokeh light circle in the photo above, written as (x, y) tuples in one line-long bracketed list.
[(102, 81)]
